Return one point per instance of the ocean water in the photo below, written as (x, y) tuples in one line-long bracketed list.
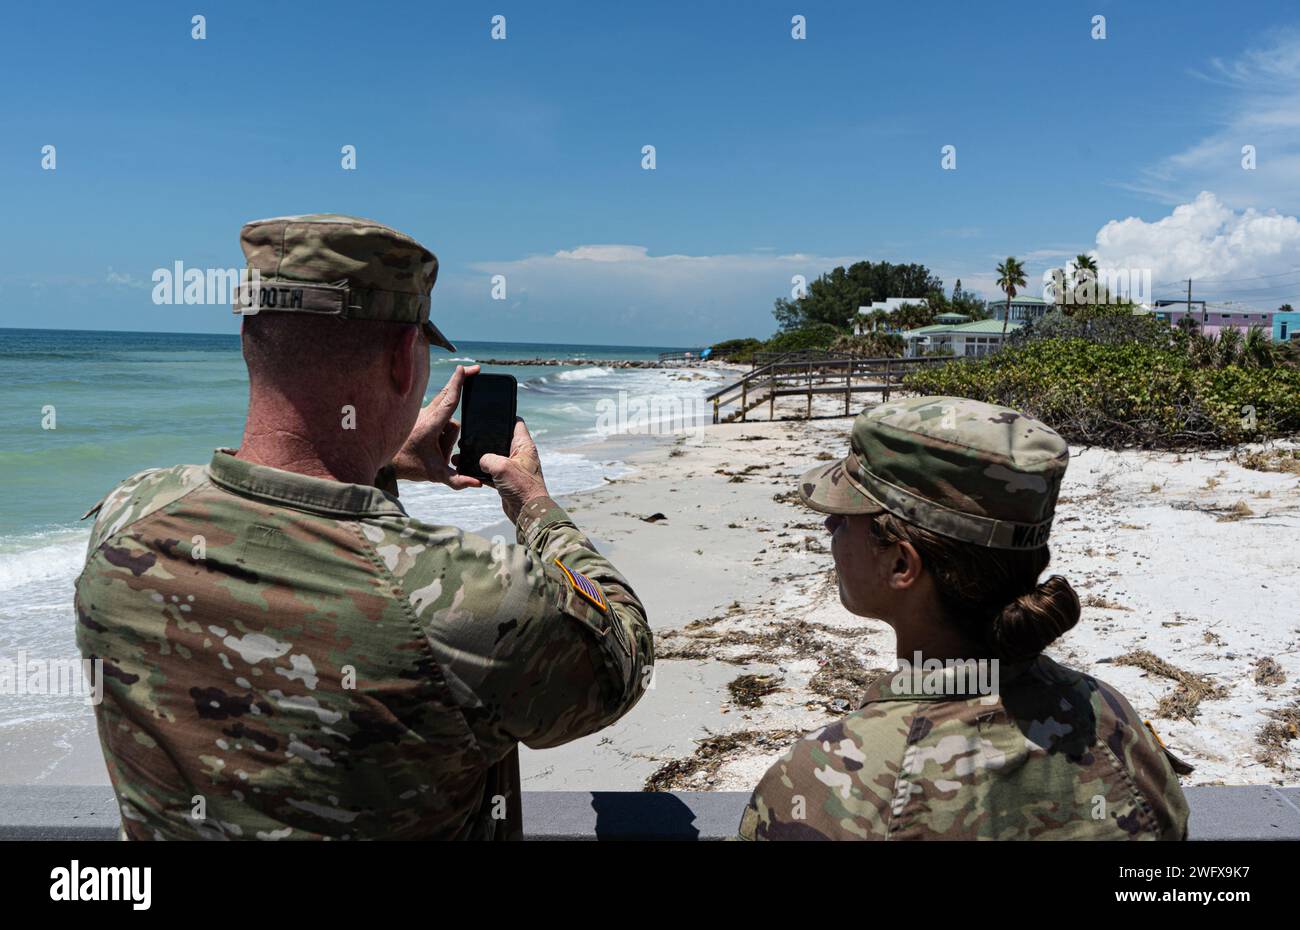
[(123, 402)]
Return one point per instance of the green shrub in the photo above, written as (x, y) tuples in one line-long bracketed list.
[(737, 350), (817, 336), (1127, 394), (1111, 329), (869, 345)]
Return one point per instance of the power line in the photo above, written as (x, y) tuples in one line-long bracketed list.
[(1256, 290), (1270, 305), (1257, 277)]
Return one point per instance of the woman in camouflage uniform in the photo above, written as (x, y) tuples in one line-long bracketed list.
[(939, 518)]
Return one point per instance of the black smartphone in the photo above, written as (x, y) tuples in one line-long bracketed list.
[(487, 419)]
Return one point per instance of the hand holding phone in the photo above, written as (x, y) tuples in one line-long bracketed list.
[(426, 454), (517, 478), (487, 421)]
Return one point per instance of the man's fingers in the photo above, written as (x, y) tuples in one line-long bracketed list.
[(447, 439), (522, 439), (448, 399), (466, 371), (461, 482), (493, 464)]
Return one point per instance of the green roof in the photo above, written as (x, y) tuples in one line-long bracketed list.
[(923, 330), (978, 327), (985, 326)]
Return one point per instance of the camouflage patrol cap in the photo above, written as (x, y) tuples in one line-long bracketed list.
[(961, 468), (341, 266)]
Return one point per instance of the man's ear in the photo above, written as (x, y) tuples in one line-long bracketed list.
[(401, 362)]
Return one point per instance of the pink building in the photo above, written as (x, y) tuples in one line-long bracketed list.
[(1213, 319)]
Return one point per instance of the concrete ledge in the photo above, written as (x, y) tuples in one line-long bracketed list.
[(1245, 813), (58, 812), (51, 812)]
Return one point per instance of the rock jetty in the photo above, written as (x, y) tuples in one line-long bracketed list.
[(602, 362)]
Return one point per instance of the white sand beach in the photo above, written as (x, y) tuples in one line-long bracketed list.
[(1186, 565)]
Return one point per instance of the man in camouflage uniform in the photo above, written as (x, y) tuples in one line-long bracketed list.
[(1048, 753), (287, 653)]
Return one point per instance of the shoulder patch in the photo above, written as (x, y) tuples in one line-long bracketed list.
[(586, 588)]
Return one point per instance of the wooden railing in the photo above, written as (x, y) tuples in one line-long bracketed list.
[(806, 377), (795, 355), (689, 357)]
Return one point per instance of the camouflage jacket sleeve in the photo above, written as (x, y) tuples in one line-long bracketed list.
[(530, 656), (806, 794), (1154, 770), (774, 797), (137, 497)]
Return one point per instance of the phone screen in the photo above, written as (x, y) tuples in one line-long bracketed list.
[(487, 419)]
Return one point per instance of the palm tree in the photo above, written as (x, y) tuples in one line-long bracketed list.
[(868, 345), (912, 316), (1287, 353), (1085, 270), (873, 322), (1202, 349), (1257, 349), (1229, 353), (1011, 275), (1058, 286)]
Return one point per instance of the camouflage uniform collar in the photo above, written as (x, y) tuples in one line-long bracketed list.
[(955, 682), (286, 488)]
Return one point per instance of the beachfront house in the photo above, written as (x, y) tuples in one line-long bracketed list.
[(1023, 309), (1286, 326), (1213, 318), (1163, 307), (981, 337), (862, 324)]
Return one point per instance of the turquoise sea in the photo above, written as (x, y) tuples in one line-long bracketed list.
[(123, 402)]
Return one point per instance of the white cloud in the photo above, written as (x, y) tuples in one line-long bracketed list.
[(123, 279), (1033, 256), (604, 253), (1249, 251), (617, 292)]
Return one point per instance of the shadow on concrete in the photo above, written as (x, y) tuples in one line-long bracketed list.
[(650, 815)]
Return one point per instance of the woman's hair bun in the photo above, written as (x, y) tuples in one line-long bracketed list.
[(1036, 619)]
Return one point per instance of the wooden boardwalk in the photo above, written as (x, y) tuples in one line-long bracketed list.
[(688, 359), (811, 373)]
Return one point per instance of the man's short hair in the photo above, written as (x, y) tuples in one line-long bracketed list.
[(306, 347)]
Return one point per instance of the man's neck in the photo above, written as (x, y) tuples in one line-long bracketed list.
[(294, 450)]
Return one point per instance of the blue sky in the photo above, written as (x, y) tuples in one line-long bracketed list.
[(523, 157)]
